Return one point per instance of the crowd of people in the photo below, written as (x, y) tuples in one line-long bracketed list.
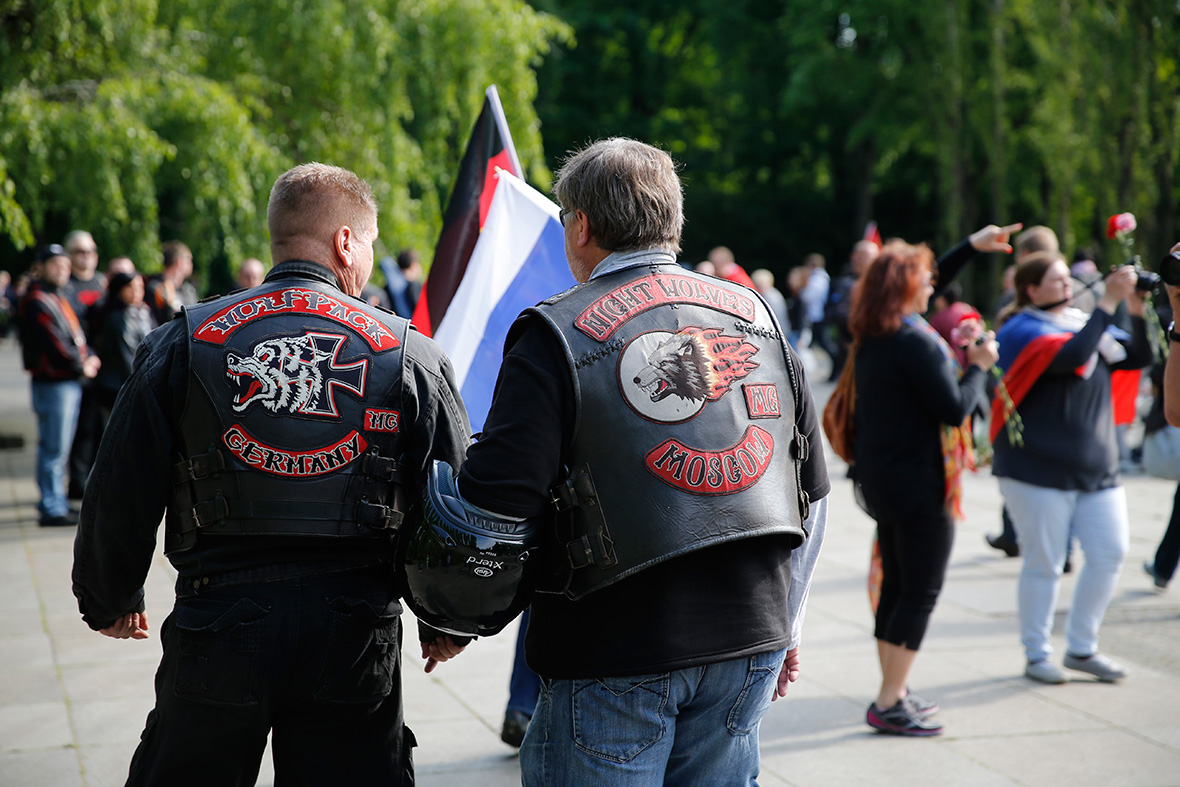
[(313, 464)]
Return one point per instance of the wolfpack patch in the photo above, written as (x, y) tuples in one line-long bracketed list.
[(761, 400), (293, 464), (381, 420), (606, 315), (295, 374), (222, 325), (713, 472), (668, 377)]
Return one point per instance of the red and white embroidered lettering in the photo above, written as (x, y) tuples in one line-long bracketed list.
[(761, 400), (295, 374), (713, 472), (381, 420), (293, 464)]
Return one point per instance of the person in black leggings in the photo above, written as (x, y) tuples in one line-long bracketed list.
[(912, 404)]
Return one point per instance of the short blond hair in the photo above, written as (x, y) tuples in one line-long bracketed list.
[(317, 199)]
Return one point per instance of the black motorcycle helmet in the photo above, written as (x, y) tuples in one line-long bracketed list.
[(467, 571)]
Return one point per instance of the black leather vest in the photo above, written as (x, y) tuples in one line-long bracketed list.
[(685, 432), (292, 421)]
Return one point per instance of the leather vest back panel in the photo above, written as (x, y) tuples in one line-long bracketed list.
[(292, 422), (685, 428)]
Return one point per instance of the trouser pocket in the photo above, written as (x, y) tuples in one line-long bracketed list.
[(361, 651), (754, 699), (617, 718), (218, 644)]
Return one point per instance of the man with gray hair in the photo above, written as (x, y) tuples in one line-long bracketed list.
[(282, 433), (663, 416)]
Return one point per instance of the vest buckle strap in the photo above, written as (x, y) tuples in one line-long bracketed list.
[(198, 467), (593, 549), (384, 468), (800, 447), (210, 512), (377, 516)]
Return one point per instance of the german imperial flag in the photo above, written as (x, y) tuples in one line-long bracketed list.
[(490, 147)]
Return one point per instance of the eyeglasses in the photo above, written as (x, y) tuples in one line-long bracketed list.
[(85, 251), (563, 213)]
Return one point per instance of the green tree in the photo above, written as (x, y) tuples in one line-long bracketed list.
[(146, 122)]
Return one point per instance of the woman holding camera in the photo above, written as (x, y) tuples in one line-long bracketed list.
[(912, 443), (1060, 479)]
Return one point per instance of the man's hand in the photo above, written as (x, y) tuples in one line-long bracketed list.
[(133, 625), (993, 238), (90, 367), (788, 675), (442, 649)]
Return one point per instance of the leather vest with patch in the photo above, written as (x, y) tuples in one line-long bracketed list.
[(685, 432), (292, 421)]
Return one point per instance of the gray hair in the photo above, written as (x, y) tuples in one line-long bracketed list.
[(629, 191), (316, 199)]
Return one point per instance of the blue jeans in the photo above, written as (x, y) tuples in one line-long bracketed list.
[(525, 685), (56, 405), (694, 726), (1045, 519)]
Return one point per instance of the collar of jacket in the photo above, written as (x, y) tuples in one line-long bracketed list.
[(621, 260), (302, 269)]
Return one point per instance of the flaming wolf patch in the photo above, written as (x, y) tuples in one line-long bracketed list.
[(670, 376), (295, 374)]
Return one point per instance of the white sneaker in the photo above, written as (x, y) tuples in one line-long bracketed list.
[(1097, 665), (1044, 671)]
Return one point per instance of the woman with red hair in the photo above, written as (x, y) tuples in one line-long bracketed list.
[(912, 442)]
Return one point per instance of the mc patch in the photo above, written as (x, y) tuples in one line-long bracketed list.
[(761, 400), (381, 420)]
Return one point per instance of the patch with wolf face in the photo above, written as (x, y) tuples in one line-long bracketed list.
[(295, 374), (669, 377)]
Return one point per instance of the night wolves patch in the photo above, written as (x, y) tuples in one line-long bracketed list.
[(669, 377)]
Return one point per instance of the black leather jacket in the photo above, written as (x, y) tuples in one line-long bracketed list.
[(130, 488)]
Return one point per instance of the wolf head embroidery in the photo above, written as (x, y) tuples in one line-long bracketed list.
[(295, 374), (696, 364)]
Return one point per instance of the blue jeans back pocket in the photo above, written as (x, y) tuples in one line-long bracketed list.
[(218, 644), (754, 699), (617, 718)]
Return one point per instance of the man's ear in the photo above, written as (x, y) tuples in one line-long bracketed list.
[(582, 234), (342, 242)]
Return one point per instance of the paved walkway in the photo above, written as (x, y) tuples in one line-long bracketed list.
[(72, 703)]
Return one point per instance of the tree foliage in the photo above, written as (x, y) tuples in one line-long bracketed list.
[(146, 121), (797, 123)]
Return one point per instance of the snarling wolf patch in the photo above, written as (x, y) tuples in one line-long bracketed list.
[(697, 364), (295, 374)]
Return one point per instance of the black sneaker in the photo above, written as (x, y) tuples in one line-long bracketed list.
[(921, 706), (901, 720), (1009, 548), (516, 724), (1159, 581), (66, 520)]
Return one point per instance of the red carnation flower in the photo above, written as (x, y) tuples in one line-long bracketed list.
[(1120, 224)]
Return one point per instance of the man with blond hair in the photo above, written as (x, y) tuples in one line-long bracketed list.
[(282, 433)]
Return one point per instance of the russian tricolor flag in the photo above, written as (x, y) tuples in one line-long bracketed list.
[(501, 250)]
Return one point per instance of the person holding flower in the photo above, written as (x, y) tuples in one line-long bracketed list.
[(1060, 473), (912, 443)]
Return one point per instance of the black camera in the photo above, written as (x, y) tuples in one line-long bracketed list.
[(1170, 268), (1147, 281)]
